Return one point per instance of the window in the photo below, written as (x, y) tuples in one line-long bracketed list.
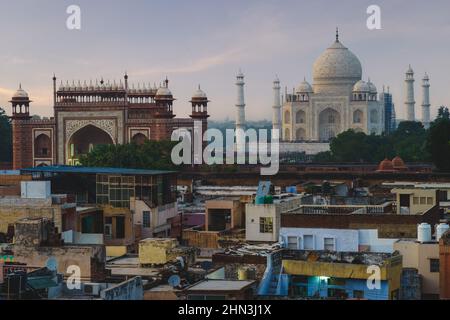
[(308, 242), (416, 200), (423, 200), (266, 224), (292, 243), (434, 265), (328, 244), (146, 219), (429, 200)]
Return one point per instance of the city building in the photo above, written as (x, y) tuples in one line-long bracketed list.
[(89, 114), (125, 196), (338, 240), (444, 266), (389, 111), (329, 275), (35, 200)]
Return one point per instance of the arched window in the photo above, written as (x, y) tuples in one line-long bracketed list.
[(357, 116), (374, 116), (300, 117), (300, 134), (42, 146), (139, 138), (287, 134), (287, 117)]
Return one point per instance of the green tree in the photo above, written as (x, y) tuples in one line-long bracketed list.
[(351, 146), (150, 155), (438, 140), (5, 137), (409, 141)]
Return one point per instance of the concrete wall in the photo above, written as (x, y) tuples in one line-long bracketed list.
[(13, 210), (82, 238), (128, 290), (234, 206), (35, 189), (417, 255), (85, 257), (345, 240), (416, 207), (253, 213)]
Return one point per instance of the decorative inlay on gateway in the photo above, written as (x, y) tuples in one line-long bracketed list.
[(107, 125)]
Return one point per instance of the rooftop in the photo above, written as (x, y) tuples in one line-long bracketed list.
[(94, 170), (221, 285)]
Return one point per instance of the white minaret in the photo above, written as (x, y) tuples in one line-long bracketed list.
[(276, 121), (426, 101), (240, 110), (410, 103)]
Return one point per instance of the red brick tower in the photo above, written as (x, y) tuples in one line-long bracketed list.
[(21, 130), (199, 103)]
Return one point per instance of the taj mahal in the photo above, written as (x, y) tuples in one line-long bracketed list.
[(337, 100)]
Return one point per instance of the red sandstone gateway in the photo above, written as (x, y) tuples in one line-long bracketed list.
[(96, 112)]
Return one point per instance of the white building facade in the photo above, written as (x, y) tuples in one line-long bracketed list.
[(337, 101)]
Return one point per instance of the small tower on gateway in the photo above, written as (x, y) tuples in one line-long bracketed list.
[(21, 131), (164, 102), (20, 104), (409, 102), (199, 112), (426, 101)]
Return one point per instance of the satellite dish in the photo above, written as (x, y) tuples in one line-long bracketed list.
[(52, 264), (174, 281), (206, 265)]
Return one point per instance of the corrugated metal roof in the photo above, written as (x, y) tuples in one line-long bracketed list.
[(94, 170)]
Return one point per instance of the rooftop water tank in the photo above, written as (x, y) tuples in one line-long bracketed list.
[(424, 232), (441, 228)]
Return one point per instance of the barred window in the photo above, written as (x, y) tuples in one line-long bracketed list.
[(266, 224), (146, 219)]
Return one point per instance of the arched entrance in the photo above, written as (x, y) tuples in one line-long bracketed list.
[(329, 124), (300, 134), (139, 139), (42, 146), (84, 140)]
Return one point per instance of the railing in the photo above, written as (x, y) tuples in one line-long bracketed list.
[(343, 209)]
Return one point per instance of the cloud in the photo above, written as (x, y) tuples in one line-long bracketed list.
[(199, 65)]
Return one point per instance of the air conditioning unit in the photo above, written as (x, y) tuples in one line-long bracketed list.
[(91, 289)]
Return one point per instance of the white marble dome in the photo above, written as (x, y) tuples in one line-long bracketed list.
[(20, 93), (304, 87), (163, 91), (199, 93), (372, 87), (337, 63), (361, 86)]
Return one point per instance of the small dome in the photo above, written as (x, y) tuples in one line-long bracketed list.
[(386, 166), (199, 93), (398, 163), (304, 87), (163, 91), (361, 86), (372, 87), (20, 93)]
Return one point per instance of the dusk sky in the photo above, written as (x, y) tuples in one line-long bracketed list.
[(206, 42)]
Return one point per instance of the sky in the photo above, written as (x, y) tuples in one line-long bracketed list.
[(206, 42)]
